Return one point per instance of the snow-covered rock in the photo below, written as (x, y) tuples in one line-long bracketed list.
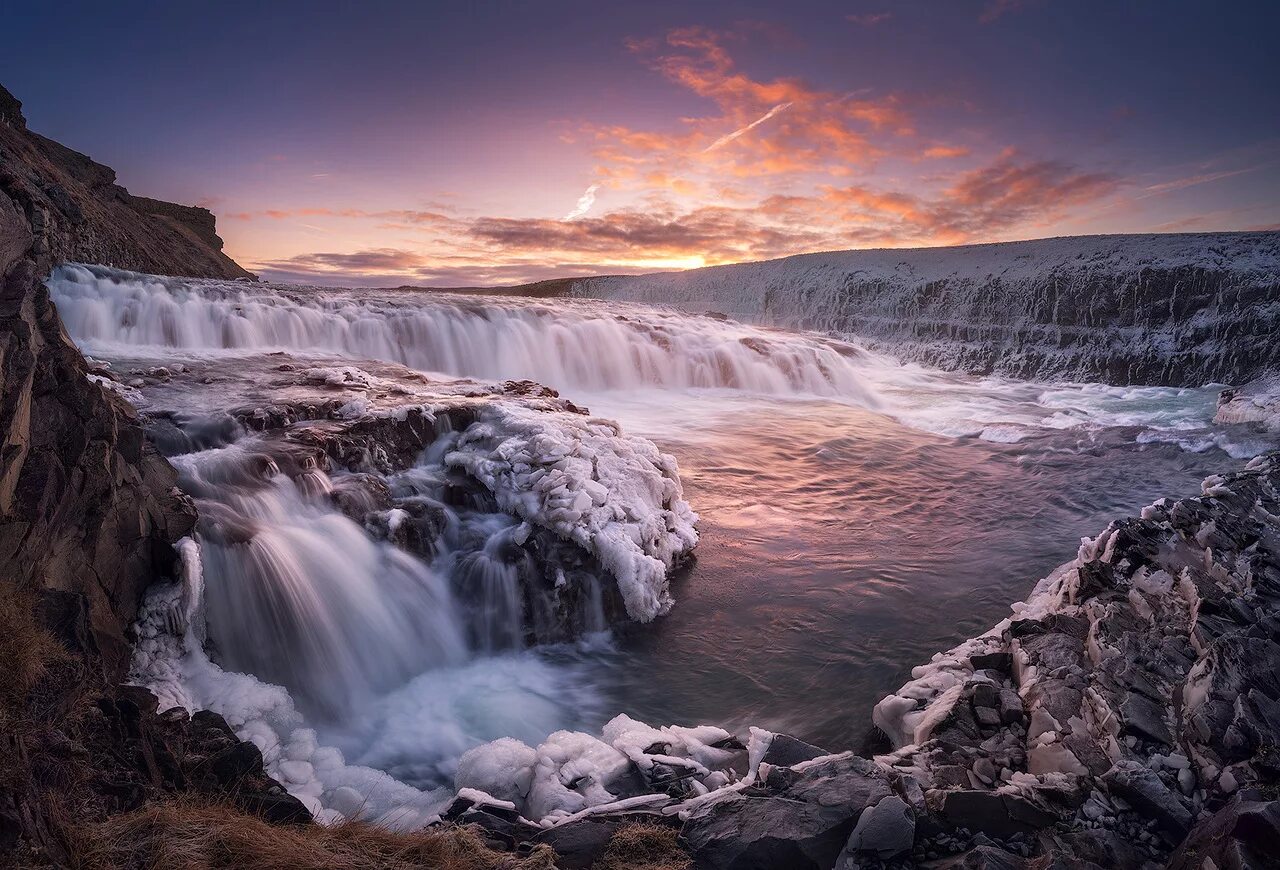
[(1185, 309)]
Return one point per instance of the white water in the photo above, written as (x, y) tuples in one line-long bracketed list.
[(564, 345), (403, 664), (585, 347)]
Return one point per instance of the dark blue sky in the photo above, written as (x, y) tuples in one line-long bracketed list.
[(450, 142)]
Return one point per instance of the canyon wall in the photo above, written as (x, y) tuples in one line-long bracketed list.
[(1181, 310)]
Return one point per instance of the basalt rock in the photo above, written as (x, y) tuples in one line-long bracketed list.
[(89, 511), (1141, 701)]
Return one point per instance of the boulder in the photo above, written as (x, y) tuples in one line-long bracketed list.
[(798, 819), (996, 815), (785, 750), (1147, 793), (884, 830)]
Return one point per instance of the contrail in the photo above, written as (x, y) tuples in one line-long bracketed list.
[(585, 202), (724, 140)]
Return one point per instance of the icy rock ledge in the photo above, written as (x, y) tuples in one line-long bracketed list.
[(1126, 715)]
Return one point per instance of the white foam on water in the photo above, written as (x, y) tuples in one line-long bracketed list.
[(592, 347)]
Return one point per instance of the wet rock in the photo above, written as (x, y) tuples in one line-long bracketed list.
[(884, 830), (579, 845), (1243, 834), (785, 751), (1144, 718), (997, 815), (798, 820), (982, 858), (996, 661), (1144, 790)]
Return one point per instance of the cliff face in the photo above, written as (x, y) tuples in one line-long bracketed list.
[(87, 508), (1181, 310), (89, 513)]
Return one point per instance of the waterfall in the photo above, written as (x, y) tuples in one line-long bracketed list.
[(564, 345)]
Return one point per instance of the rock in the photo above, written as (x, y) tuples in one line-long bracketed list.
[(785, 751), (1011, 709), (580, 844), (985, 695), (997, 815), (987, 717), (236, 763), (1101, 847), (281, 808), (1145, 791), (983, 858), (1243, 834), (996, 661), (1144, 718), (885, 830), (798, 820)]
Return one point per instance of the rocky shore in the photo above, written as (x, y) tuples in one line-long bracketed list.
[(1126, 715)]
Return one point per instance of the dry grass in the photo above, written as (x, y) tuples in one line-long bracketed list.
[(644, 847), (27, 652), (188, 835)]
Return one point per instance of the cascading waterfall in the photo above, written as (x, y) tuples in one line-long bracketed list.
[(300, 595), (583, 346)]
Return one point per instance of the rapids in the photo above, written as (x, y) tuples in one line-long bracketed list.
[(857, 515)]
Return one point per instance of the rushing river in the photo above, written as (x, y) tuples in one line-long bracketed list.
[(857, 515)]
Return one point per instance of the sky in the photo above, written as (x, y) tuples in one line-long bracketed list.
[(488, 143)]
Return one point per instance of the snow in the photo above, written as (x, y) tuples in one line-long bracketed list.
[(813, 282)]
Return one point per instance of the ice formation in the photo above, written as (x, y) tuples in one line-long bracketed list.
[(616, 496)]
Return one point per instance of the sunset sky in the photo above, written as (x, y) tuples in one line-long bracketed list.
[(490, 143)]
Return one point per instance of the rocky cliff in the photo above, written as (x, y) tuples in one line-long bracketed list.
[(88, 510), (1181, 310)]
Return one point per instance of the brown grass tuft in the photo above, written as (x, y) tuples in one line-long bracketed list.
[(644, 847), (189, 835), (27, 652)]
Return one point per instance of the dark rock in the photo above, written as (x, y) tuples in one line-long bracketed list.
[(580, 844), (1145, 791), (994, 814), (785, 751), (983, 858), (279, 809), (996, 661), (1144, 718), (801, 819), (236, 763), (884, 830), (1243, 834), (1011, 709)]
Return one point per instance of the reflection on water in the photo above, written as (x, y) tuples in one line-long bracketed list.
[(839, 549)]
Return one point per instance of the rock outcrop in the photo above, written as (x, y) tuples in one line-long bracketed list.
[(1182, 310), (88, 510)]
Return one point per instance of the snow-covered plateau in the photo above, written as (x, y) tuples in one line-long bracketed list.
[(1176, 309)]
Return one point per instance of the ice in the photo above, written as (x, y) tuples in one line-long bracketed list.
[(570, 773), (614, 495), (181, 675)]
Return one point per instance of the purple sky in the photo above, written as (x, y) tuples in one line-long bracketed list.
[(461, 144)]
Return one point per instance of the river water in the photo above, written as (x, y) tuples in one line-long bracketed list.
[(856, 515)]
